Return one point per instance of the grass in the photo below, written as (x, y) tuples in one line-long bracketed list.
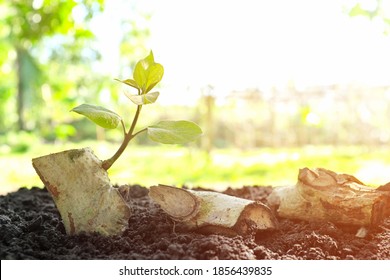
[(174, 165)]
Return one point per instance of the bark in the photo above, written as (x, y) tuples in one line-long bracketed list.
[(213, 212), (82, 192), (323, 195)]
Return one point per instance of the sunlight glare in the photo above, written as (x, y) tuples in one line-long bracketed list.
[(236, 45)]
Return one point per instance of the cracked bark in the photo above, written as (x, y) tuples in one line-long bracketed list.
[(82, 192), (324, 195), (213, 212)]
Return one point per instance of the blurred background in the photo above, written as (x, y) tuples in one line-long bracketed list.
[(275, 85)]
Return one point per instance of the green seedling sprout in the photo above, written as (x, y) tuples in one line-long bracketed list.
[(146, 75)]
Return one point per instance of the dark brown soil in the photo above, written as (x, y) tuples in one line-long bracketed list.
[(30, 228)]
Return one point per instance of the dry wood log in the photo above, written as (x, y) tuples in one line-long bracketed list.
[(213, 212), (323, 195), (82, 192)]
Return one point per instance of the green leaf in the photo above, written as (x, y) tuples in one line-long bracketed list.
[(99, 115), (143, 99), (147, 73), (174, 132), (155, 74), (357, 10), (129, 82)]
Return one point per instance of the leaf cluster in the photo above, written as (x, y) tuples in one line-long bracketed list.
[(146, 75)]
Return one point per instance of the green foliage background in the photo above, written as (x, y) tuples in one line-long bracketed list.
[(48, 57)]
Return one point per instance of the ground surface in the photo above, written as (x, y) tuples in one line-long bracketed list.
[(30, 228)]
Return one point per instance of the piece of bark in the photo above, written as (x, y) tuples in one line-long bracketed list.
[(213, 212), (82, 192), (323, 195)]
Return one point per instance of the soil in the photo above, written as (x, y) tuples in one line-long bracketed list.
[(31, 228)]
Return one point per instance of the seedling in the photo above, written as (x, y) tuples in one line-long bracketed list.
[(78, 181), (147, 74)]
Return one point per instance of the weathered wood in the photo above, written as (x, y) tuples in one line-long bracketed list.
[(82, 192), (213, 212), (323, 195)]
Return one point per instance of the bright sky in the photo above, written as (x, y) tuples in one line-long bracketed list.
[(241, 44)]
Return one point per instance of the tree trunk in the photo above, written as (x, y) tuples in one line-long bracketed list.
[(323, 195), (20, 53), (213, 212), (82, 192)]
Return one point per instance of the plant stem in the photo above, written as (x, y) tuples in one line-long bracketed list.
[(135, 134), (128, 136)]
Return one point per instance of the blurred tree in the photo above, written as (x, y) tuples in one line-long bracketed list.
[(28, 24), (376, 9)]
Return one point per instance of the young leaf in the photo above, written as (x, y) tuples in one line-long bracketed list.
[(155, 74), (129, 82), (174, 132), (99, 115), (143, 99), (148, 73)]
